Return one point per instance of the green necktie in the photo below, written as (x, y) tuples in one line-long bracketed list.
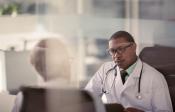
[(123, 75)]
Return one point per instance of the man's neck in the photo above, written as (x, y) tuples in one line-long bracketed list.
[(133, 62)]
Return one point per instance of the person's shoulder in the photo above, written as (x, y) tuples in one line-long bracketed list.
[(154, 76), (149, 67), (151, 70), (108, 64)]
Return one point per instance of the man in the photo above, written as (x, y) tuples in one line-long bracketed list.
[(129, 81)]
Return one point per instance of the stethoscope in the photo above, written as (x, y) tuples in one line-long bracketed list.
[(138, 95), (105, 79)]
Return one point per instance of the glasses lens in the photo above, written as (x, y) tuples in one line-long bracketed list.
[(118, 50), (111, 51)]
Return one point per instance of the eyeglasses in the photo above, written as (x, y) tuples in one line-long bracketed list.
[(119, 50)]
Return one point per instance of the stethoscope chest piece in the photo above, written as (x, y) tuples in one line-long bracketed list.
[(139, 96)]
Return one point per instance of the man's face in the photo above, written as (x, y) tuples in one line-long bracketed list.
[(123, 52)]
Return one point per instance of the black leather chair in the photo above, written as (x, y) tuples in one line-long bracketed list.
[(114, 107), (59, 100), (163, 59)]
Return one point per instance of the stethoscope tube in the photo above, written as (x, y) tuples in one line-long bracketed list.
[(140, 79), (107, 73), (114, 68)]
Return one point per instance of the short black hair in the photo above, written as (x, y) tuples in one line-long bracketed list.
[(122, 34)]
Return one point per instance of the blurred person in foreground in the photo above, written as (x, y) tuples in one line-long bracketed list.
[(128, 81), (50, 59)]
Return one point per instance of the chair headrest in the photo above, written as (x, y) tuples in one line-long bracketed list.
[(160, 57)]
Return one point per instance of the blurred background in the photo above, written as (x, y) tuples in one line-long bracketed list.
[(85, 25)]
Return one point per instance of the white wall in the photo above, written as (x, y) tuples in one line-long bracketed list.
[(3, 85), (6, 102)]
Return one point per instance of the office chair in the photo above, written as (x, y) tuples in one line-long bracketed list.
[(163, 59), (59, 100)]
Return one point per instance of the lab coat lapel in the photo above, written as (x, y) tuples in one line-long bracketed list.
[(133, 77)]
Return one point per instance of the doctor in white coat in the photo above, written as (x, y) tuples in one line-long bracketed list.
[(129, 81)]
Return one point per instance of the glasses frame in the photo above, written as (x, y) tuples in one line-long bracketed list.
[(119, 50)]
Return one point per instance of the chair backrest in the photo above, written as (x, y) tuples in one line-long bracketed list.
[(58, 100), (163, 59)]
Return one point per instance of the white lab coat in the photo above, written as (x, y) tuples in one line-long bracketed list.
[(154, 89)]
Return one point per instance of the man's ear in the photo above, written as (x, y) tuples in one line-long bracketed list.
[(134, 45)]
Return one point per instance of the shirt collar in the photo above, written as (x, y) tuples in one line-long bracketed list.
[(131, 68)]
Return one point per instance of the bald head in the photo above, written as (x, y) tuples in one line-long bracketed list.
[(50, 59)]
